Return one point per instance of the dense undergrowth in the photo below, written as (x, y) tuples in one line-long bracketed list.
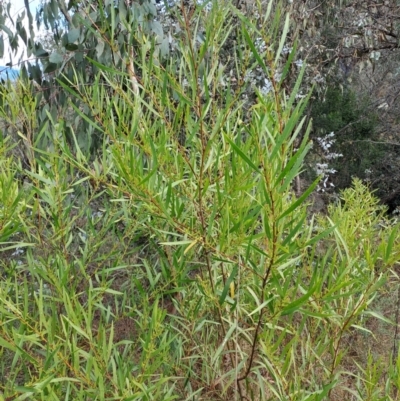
[(177, 262)]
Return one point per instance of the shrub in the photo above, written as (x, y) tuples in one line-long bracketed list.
[(178, 263)]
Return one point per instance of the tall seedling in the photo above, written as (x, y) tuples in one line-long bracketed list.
[(210, 176)]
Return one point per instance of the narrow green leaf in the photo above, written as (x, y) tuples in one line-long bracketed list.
[(283, 38), (103, 67), (289, 61), (254, 50), (320, 236), (294, 306), (114, 292), (68, 88), (172, 243), (242, 155), (339, 236), (77, 328), (262, 306), (85, 117), (300, 200), (379, 316), (390, 243), (15, 245), (64, 379), (287, 131), (223, 344), (228, 282), (296, 89), (295, 171), (6, 344), (318, 315), (356, 326), (293, 159)]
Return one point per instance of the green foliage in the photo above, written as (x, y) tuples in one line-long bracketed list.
[(354, 125), (177, 262), (12, 206)]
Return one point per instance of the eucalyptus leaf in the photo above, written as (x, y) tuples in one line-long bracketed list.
[(7, 30), (100, 48), (157, 28), (73, 35), (35, 72), (40, 52), (50, 67), (22, 32), (71, 47), (123, 11), (164, 48), (56, 58)]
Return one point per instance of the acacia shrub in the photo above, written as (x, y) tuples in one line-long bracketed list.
[(240, 293)]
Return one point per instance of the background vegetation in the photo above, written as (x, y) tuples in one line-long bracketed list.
[(156, 244)]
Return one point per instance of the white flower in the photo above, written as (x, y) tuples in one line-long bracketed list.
[(299, 63), (267, 87), (286, 50), (260, 45), (18, 251)]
